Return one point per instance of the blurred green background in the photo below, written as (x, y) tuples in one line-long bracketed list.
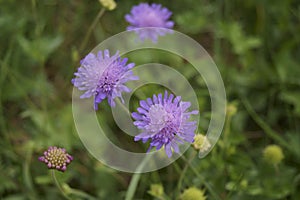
[(256, 46)]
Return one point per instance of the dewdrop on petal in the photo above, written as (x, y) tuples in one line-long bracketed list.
[(56, 158), (201, 143), (273, 154), (192, 193), (109, 4)]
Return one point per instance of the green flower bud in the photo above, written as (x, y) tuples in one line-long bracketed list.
[(193, 193), (109, 4), (156, 190), (231, 109), (244, 184), (273, 154)]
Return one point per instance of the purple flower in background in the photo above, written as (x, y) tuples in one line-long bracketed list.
[(103, 77), (165, 121), (56, 158), (145, 15)]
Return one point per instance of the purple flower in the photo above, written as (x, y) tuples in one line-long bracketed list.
[(165, 121), (145, 15), (103, 77), (56, 158)]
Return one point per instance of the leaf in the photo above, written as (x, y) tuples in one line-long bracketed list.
[(6, 181), (234, 33), (287, 67), (292, 97), (15, 197), (294, 140), (40, 48)]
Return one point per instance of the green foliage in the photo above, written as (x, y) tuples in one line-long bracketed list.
[(256, 45), (40, 49)]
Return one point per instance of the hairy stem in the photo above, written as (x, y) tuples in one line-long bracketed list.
[(58, 185), (91, 28)]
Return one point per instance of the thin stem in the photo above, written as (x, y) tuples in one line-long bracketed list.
[(217, 42), (263, 125), (295, 184), (226, 135), (14, 78), (179, 171), (227, 126), (135, 179), (82, 194), (184, 171), (206, 184), (58, 185), (91, 28), (26, 172), (3, 76)]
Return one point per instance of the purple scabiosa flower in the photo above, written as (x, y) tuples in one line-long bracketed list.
[(165, 121), (145, 15), (56, 158), (103, 76)]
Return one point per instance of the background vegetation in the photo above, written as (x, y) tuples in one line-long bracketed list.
[(256, 45)]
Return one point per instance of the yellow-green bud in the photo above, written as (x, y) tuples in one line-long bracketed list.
[(231, 109), (156, 190), (244, 184), (193, 193), (201, 143), (109, 4), (273, 154)]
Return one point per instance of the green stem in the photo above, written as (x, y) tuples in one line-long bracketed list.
[(184, 171), (82, 194), (26, 172), (217, 42), (227, 126), (226, 134), (91, 28), (206, 184), (14, 78), (58, 185), (295, 184), (263, 125), (3, 77), (135, 179)]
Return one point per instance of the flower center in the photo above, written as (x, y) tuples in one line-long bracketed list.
[(158, 118), (152, 20), (56, 157), (107, 86), (110, 77)]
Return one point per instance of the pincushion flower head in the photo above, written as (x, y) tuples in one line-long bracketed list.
[(145, 15), (103, 76), (193, 193), (165, 121), (273, 154), (201, 143), (56, 158)]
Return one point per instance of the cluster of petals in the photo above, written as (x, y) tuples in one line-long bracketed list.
[(165, 120), (144, 16), (162, 119), (103, 76)]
